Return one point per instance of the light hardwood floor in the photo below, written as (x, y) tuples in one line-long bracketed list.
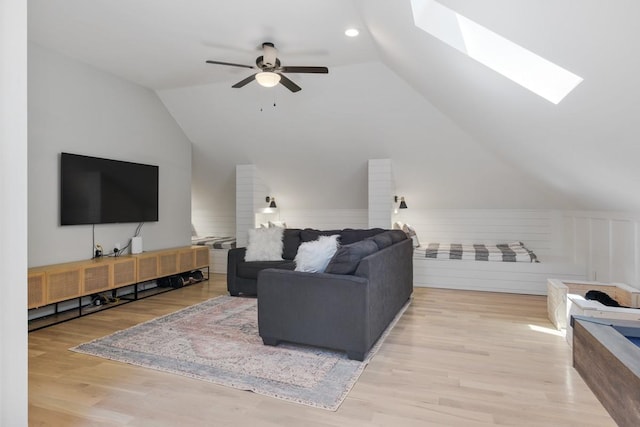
[(456, 358)]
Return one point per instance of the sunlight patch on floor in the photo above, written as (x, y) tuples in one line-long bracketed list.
[(549, 331)]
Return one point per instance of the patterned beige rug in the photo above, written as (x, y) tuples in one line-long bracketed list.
[(218, 341)]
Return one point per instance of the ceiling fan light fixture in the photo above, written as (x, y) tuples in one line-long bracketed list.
[(268, 78)]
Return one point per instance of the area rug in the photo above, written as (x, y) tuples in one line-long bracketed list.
[(218, 341)]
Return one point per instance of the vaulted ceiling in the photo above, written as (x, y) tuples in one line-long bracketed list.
[(459, 134)]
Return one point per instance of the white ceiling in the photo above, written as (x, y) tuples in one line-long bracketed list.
[(582, 153), (163, 44)]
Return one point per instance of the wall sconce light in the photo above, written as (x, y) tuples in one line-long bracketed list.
[(271, 201), (403, 204)]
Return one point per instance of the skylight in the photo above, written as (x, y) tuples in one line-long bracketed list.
[(522, 66)]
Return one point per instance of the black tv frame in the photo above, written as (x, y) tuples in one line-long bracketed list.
[(96, 190)]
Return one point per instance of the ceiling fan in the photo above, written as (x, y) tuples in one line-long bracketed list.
[(270, 71)]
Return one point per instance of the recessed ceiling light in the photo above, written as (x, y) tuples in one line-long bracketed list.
[(351, 32)]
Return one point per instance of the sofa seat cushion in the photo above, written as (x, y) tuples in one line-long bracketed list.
[(250, 270), (347, 257)]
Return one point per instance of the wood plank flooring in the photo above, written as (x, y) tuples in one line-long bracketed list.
[(456, 358)]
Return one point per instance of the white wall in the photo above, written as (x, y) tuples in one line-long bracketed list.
[(78, 109), (313, 147), (13, 215), (608, 243)]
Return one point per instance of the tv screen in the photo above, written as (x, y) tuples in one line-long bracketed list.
[(102, 191)]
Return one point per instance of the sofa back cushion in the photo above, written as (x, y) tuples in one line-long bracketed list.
[(382, 240), (291, 241), (397, 235), (347, 257), (310, 234), (350, 235), (293, 237)]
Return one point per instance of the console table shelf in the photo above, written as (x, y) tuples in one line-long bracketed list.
[(52, 284)]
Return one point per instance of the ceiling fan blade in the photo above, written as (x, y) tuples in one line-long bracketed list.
[(229, 63), (245, 81), (286, 82), (320, 70)]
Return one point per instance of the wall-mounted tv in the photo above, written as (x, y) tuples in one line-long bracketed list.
[(101, 191)]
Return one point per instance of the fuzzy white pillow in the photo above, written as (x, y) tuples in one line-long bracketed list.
[(314, 256), (265, 244), (281, 224)]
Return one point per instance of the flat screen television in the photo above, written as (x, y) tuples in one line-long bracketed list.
[(101, 191)]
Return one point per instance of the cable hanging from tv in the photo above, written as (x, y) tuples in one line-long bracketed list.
[(97, 250)]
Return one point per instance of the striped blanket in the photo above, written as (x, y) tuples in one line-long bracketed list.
[(215, 242), (505, 252)]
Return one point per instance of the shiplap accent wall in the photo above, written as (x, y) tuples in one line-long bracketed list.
[(324, 219), (381, 188), (205, 223), (608, 243), (540, 230), (250, 193)]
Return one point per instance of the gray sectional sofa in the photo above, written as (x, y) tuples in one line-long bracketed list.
[(242, 276), (347, 307)]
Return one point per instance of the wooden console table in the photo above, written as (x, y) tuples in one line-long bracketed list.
[(52, 284)]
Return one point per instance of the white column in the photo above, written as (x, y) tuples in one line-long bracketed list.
[(381, 188), (13, 215), (250, 194)]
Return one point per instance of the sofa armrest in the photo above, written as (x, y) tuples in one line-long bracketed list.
[(326, 310), (390, 274), (234, 256)]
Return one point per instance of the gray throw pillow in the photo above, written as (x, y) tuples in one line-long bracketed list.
[(397, 235), (347, 257), (383, 240)]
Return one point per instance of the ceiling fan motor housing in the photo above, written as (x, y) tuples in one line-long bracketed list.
[(269, 58)]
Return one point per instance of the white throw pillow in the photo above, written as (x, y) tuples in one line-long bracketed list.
[(265, 244), (398, 225), (314, 256), (411, 233), (280, 224)]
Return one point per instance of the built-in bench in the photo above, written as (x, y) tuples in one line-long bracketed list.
[(567, 298)]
